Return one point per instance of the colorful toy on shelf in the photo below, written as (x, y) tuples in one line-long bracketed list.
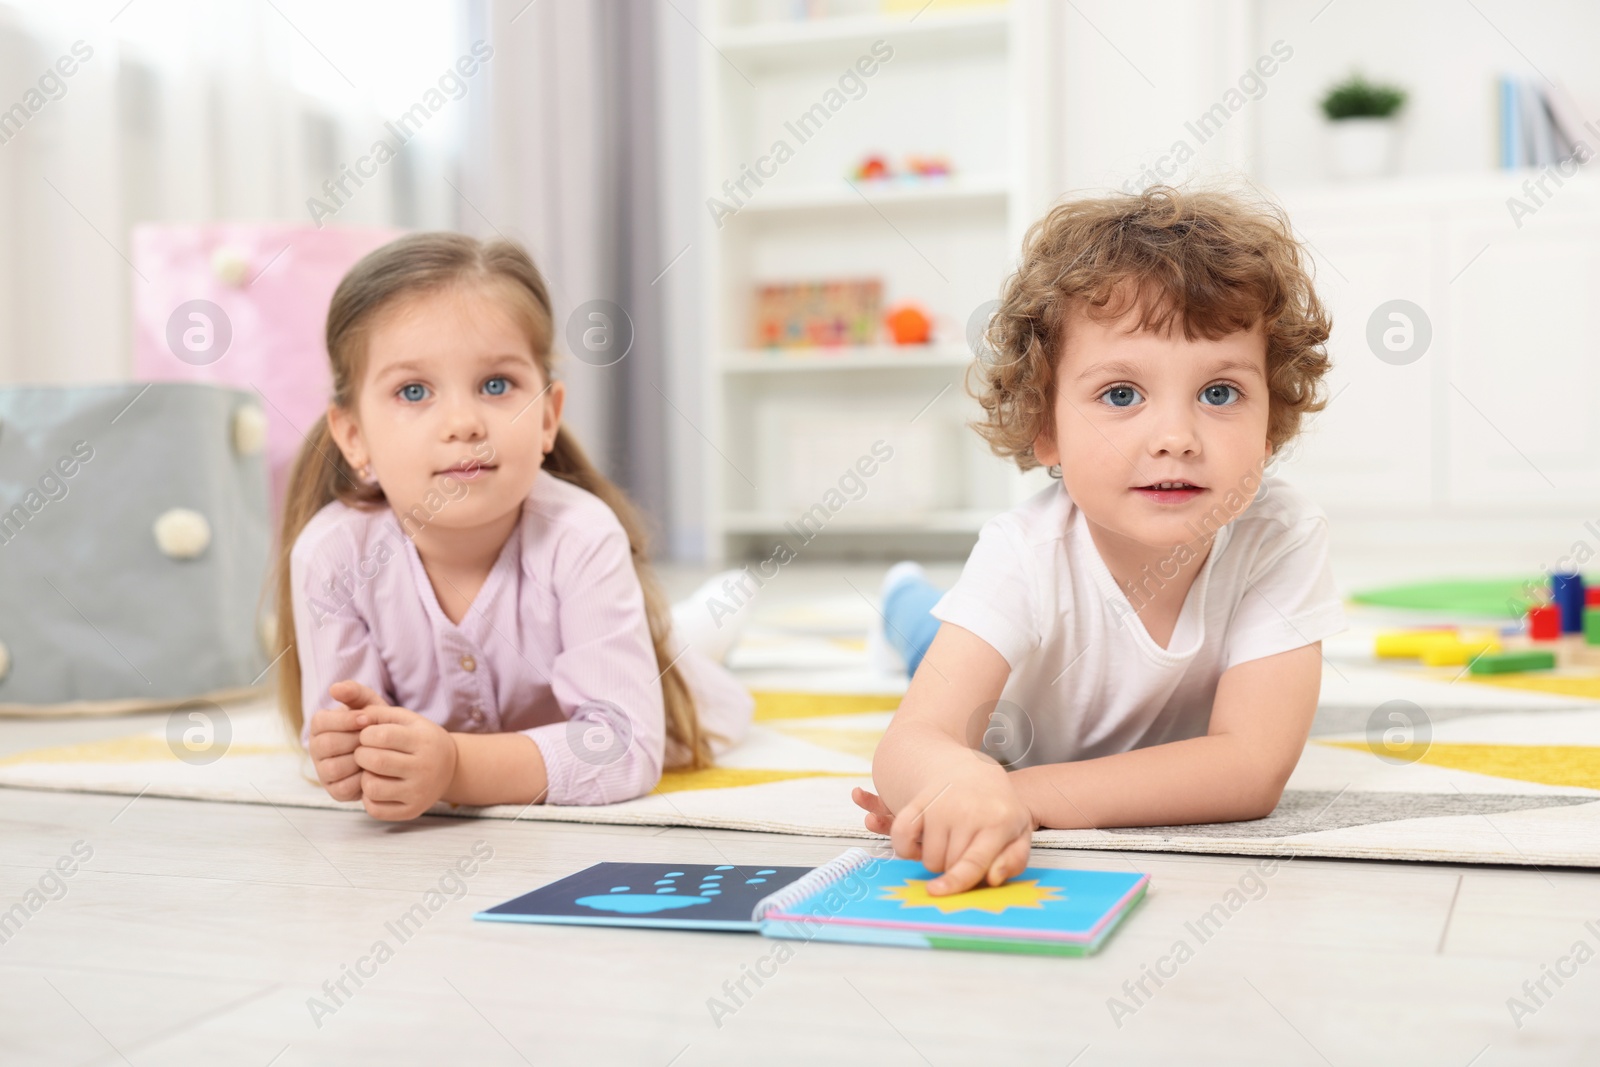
[(1512, 662), (871, 169), (1591, 626), (814, 314), (908, 324), (876, 168), (1567, 593), (1544, 622), (928, 166)]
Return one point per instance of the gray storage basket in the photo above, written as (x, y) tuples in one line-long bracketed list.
[(94, 615)]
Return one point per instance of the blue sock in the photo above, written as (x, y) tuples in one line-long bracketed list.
[(907, 625)]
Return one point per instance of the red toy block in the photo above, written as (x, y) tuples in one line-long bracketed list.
[(1544, 622)]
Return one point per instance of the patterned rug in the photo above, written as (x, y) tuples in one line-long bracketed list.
[(1489, 784)]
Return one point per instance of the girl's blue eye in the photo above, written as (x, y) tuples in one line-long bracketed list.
[(414, 392), (1120, 396), (1219, 395), (496, 386)]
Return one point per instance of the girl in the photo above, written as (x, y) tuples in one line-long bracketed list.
[(475, 619)]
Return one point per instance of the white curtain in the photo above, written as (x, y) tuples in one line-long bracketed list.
[(190, 111), (563, 156)]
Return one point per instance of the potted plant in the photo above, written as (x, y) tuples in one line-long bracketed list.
[(1363, 126)]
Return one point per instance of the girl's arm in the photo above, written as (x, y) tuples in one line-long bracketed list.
[(1260, 719), (407, 762), (497, 769)]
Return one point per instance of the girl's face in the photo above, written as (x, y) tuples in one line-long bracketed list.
[(453, 413), (1136, 411)]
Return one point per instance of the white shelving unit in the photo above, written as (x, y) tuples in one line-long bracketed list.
[(789, 426)]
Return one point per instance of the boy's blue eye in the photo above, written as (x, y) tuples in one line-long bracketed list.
[(1120, 396), (414, 392), (1219, 395), (497, 386)]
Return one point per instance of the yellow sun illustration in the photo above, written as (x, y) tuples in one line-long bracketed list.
[(992, 899)]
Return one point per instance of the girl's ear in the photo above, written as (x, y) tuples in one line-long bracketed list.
[(554, 401), (346, 434)]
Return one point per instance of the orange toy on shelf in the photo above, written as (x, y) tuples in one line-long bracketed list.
[(908, 324)]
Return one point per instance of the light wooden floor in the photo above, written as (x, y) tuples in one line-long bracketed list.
[(197, 933)]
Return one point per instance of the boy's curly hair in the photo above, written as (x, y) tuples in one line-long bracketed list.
[(1210, 262)]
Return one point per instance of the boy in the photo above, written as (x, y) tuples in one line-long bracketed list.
[(1139, 644)]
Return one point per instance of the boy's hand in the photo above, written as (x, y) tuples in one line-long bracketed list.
[(973, 830), (407, 761), (334, 737)]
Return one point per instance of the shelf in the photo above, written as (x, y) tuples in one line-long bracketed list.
[(959, 84), (846, 358), (800, 41), (948, 520), (864, 196)]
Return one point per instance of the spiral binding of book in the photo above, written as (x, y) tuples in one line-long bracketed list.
[(832, 871)]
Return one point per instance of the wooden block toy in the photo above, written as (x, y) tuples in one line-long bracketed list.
[(1575, 652), (1455, 653), (1544, 622), (1591, 625), (1410, 644), (1566, 590), (1512, 662)]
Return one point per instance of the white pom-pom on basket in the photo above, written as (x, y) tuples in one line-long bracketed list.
[(182, 533), (249, 430)]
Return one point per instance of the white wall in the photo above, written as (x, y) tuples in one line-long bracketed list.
[(1447, 53)]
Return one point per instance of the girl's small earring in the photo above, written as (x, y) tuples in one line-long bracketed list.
[(366, 475)]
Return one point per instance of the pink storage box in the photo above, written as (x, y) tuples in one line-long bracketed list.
[(245, 304)]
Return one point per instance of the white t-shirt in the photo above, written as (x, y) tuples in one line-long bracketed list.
[(1088, 678)]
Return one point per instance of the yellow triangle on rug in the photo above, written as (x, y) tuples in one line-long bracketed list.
[(780, 704), (733, 777), (1561, 684), (862, 743), (138, 748), (1572, 765)]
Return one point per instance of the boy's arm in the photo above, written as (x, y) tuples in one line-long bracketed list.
[(945, 803), (1260, 719), (927, 740)]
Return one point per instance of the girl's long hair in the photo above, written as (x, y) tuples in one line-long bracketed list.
[(424, 263)]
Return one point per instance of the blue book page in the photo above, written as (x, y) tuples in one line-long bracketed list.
[(696, 896), (1040, 902)]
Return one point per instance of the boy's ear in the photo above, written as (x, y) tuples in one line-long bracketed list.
[(1045, 449), (346, 433)]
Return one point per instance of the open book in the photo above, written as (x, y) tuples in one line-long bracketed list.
[(856, 897)]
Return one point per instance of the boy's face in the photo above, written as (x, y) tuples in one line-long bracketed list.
[(454, 413), (1136, 410)]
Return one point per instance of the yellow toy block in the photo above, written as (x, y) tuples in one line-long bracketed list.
[(1456, 653), (1410, 644)]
